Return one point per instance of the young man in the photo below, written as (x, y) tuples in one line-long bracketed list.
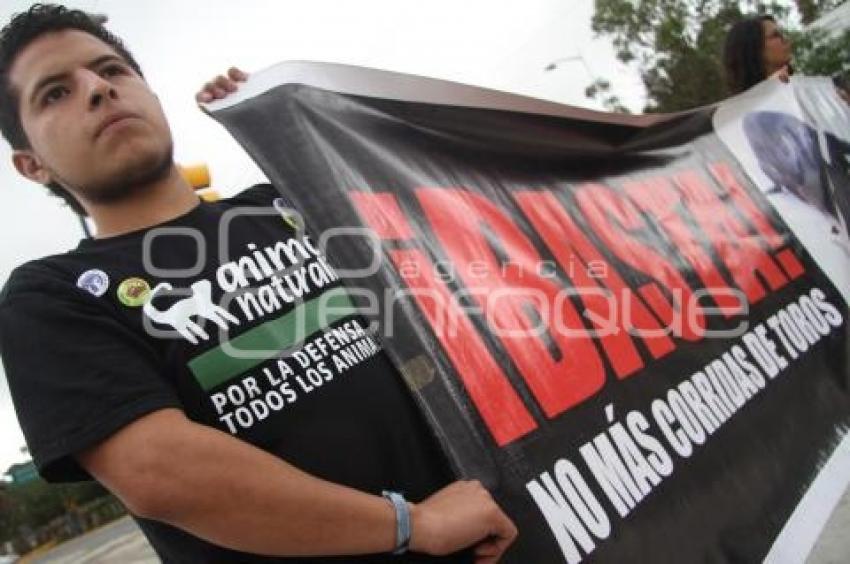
[(143, 359)]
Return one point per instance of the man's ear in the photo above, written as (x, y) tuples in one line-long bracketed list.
[(29, 165)]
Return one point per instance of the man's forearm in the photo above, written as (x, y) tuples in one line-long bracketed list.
[(235, 495), (238, 496)]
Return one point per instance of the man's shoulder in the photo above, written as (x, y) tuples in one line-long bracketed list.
[(48, 276), (258, 195)]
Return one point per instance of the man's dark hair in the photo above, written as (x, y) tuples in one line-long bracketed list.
[(743, 53), (22, 30)]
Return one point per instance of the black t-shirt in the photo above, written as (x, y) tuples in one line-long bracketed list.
[(119, 327)]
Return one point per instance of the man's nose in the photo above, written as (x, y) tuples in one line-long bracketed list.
[(97, 88)]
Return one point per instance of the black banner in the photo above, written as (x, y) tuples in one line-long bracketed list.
[(603, 318)]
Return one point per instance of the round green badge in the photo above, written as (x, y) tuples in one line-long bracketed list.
[(291, 219), (133, 292)]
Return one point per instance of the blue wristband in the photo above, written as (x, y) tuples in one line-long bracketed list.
[(402, 521)]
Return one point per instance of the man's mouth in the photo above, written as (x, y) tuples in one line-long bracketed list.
[(112, 120)]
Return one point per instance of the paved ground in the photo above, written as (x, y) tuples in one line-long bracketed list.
[(122, 542), (833, 546)]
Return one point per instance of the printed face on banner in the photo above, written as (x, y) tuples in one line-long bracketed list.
[(798, 157)]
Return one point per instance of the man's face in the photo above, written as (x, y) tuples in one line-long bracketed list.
[(93, 124)]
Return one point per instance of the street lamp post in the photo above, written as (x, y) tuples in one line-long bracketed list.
[(557, 62)]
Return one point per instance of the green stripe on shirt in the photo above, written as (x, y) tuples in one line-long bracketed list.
[(231, 358)]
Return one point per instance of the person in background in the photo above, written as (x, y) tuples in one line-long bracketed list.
[(755, 49)]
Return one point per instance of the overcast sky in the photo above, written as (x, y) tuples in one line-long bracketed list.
[(502, 44)]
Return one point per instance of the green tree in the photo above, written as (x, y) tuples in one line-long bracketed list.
[(818, 53), (36, 503), (7, 510), (810, 10), (601, 90), (677, 46)]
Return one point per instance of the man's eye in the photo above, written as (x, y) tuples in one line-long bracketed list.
[(54, 95), (113, 70)]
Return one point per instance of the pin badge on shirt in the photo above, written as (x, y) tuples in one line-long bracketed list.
[(289, 215), (94, 281), (133, 292)]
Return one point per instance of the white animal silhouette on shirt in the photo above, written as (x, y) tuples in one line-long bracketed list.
[(180, 314)]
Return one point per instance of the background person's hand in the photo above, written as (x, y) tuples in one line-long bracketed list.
[(221, 86), (844, 95), (461, 515), (782, 74)]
